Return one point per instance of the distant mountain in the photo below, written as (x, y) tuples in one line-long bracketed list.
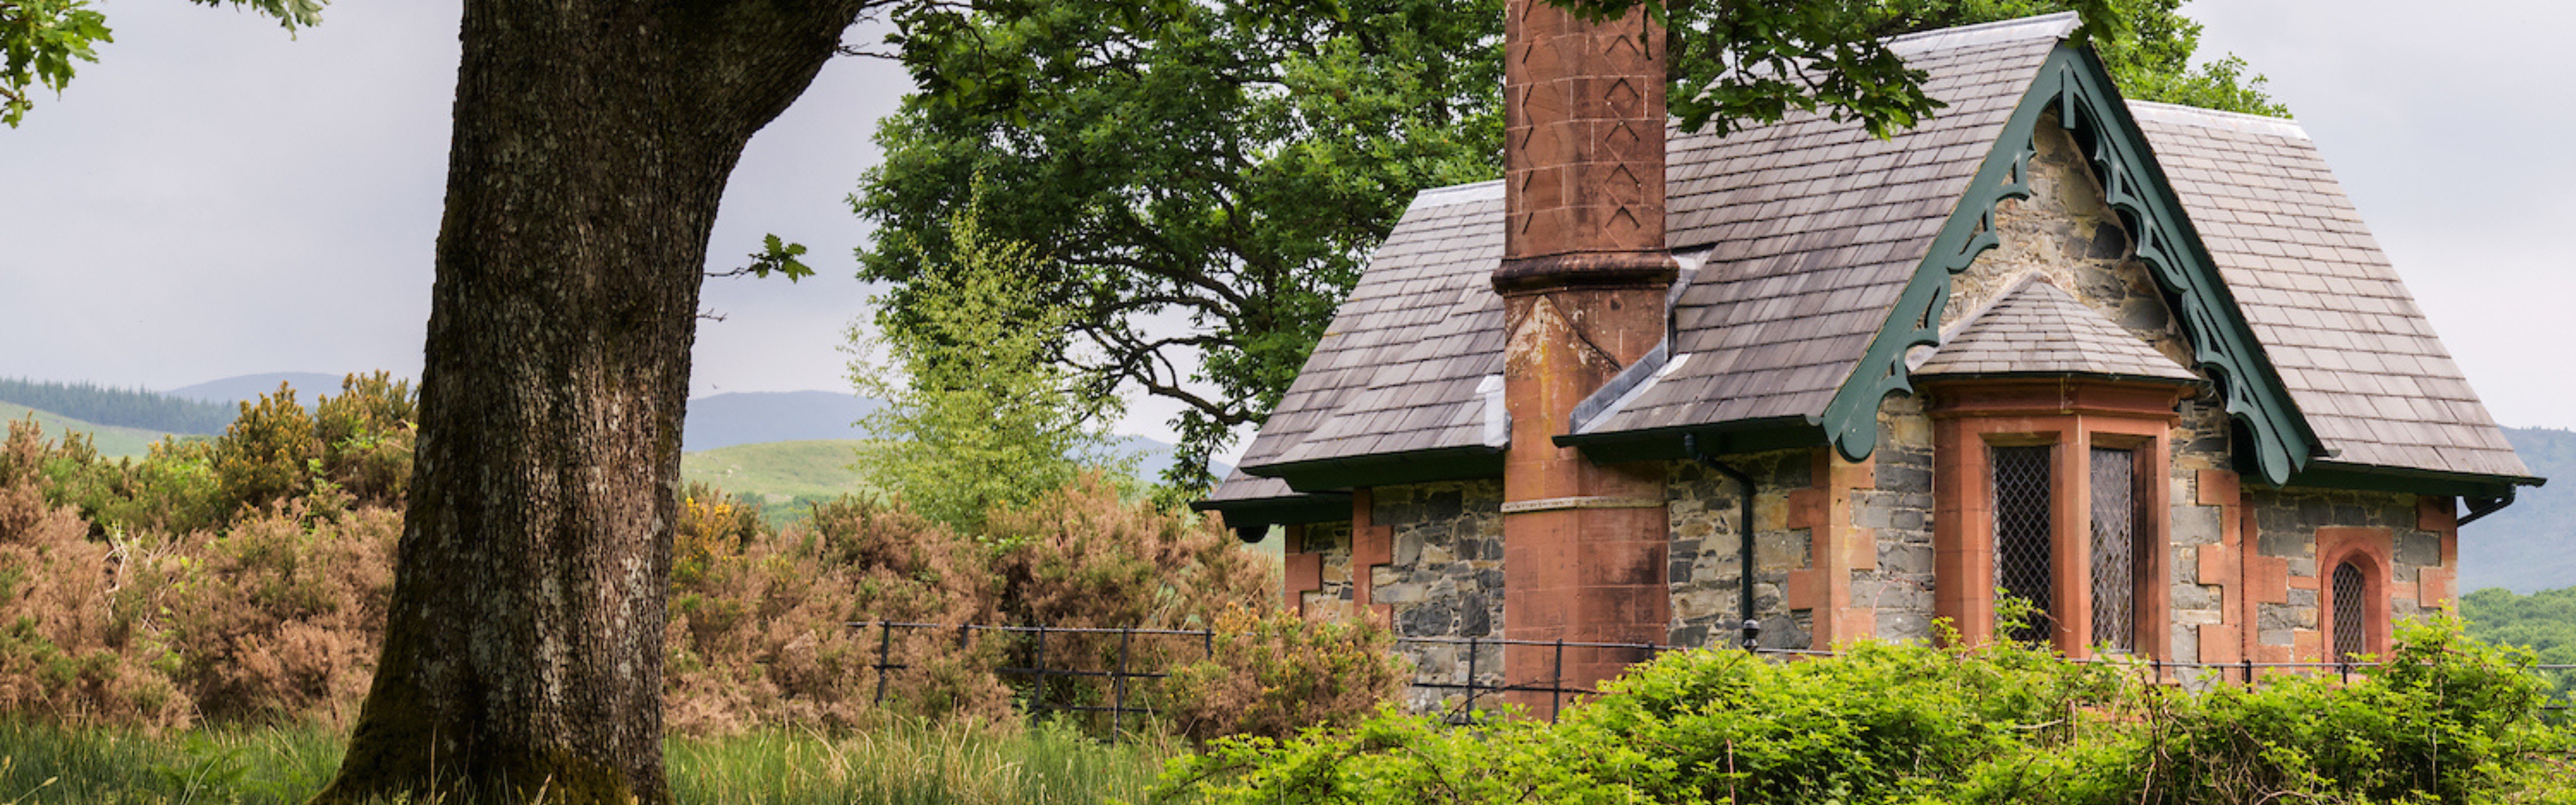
[(247, 388), (2531, 545), (724, 420)]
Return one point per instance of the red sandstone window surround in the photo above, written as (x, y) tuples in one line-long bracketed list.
[(2089, 536), (2352, 591)]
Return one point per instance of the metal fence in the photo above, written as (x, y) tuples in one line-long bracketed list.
[(1470, 678), (1039, 670)]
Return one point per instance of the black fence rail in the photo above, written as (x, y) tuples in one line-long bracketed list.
[(1118, 675), (1470, 677)]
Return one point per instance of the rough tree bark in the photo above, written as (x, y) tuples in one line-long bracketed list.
[(592, 142)]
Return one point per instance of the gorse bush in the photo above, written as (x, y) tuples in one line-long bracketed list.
[(67, 653), (266, 455), (763, 622), (351, 450), (1275, 673), (2447, 719), (279, 618), (244, 580), (759, 629)]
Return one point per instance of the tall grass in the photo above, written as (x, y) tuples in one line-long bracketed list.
[(913, 763), (900, 763)]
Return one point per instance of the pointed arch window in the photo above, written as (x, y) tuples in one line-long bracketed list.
[(2351, 590)]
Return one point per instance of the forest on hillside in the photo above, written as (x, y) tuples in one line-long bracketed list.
[(2544, 622), (109, 405)]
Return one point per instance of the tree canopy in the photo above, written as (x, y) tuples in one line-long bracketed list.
[(975, 415), (1205, 180), (42, 42)]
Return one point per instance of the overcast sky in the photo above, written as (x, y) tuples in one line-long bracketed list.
[(214, 198)]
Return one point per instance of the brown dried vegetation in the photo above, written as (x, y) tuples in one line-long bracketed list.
[(245, 579)]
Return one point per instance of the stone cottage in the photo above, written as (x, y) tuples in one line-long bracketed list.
[(2141, 365)]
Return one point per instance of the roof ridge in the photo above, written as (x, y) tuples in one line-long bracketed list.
[(2085, 341), (2049, 26), (2216, 119), (1487, 190)]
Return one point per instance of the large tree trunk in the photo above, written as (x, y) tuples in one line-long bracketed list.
[(593, 138)]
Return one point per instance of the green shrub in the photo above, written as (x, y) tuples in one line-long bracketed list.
[(1274, 673), (366, 436), (263, 457), (2448, 719)]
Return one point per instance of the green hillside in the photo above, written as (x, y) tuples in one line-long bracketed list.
[(777, 471), (2530, 545), (111, 441)]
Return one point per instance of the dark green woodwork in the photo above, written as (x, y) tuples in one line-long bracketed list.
[(2481, 507), (2326, 474), (2073, 84), (1423, 466), (1669, 444), (1319, 507)]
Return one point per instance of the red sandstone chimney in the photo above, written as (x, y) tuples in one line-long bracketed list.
[(1583, 279)]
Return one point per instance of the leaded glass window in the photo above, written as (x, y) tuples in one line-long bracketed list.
[(2349, 598), (2115, 548), (2021, 485)]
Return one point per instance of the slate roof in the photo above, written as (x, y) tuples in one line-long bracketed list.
[(2036, 328), (1239, 487), (1805, 232), (1817, 226), (1398, 369), (2357, 355)]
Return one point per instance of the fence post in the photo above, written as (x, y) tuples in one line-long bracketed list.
[(1037, 700), (885, 645), (1118, 684), (2249, 669), (1207, 644), (1556, 683), (1472, 690)]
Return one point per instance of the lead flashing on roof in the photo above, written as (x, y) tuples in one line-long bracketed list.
[(1458, 194), (1498, 417), (2211, 118), (2052, 26)]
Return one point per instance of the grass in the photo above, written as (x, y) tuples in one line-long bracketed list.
[(777, 470), (910, 762), (112, 441)]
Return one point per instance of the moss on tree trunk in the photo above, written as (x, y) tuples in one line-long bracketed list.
[(592, 141)]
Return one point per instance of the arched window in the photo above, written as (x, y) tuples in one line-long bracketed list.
[(2351, 593)]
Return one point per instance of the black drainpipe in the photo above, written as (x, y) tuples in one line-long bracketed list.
[(1744, 538)]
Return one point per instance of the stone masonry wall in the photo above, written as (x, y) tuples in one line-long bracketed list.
[(2199, 444), (2065, 232), (1445, 577), (2286, 523), (1890, 593), (1705, 574), (1333, 541), (1899, 512)]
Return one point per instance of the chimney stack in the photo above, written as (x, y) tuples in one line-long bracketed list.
[(1584, 274)]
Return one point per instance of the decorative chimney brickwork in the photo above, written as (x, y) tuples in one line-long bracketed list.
[(1583, 278), (1583, 154)]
